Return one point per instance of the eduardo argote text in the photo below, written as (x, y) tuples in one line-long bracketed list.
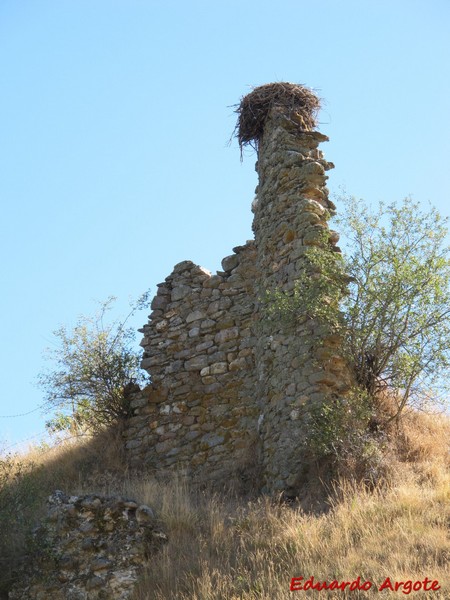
[(406, 587)]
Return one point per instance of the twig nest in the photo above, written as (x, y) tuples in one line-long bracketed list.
[(299, 103)]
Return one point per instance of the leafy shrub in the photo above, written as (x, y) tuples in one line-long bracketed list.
[(96, 364)]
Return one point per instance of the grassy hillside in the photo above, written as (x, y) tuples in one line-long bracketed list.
[(224, 547)]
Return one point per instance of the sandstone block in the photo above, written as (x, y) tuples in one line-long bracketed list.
[(213, 282), (196, 364), (230, 262), (207, 324), (211, 439), (218, 368), (132, 444), (239, 363), (195, 315), (180, 292), (226, 334)]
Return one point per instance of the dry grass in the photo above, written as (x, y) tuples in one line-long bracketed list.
[(419, 450), (220, 551), (84, 464), (223, 549), (227, 548)]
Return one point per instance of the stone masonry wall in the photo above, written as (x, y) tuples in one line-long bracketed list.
[(231, 388), (199, 415), (300, 365), (88, 548)]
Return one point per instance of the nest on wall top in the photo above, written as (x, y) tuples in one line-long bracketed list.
[(253, 109)]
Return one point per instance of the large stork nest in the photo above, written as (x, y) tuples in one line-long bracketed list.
[(300, 103)]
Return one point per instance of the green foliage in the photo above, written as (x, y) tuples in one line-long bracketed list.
[(328, 424), (316, 293), (388, 297), (397, 311), (337, 429), (95, 362)]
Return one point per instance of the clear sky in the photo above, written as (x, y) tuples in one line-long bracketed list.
[(115, 117)]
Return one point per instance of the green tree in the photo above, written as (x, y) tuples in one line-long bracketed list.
[(397, 310), (95, 363)]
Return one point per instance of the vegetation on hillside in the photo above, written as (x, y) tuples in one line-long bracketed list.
[(93, 365), (26, 481), (397, 309), (387, 298), (386, 515), (222, 547)]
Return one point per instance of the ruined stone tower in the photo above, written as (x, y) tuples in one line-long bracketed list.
[(232, 388), (296, 366)]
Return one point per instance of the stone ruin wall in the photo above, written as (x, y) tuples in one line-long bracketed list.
[(199, 415), (227, 393), (297, 366), (231, 389), (89, 547)]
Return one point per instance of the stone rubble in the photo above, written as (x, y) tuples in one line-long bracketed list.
[(89, 547)]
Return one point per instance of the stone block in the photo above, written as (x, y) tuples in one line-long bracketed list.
[(218, 368), (213, 282), (132, 444), (195, 315), (196, 364), (138, 402), (216, 356), (212, 439), (239, 363), (159, 302), (230, 262), (204, 346), (147, 363), (207, 324), (226, 334), (180, 292)]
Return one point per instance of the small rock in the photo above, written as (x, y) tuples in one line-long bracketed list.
[(180, 292), (144, 514), (218, 368), (230, 262), (196, 315), (94, 582), (196, 364)]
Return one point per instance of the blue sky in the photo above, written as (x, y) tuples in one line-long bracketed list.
[(115, 118)]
